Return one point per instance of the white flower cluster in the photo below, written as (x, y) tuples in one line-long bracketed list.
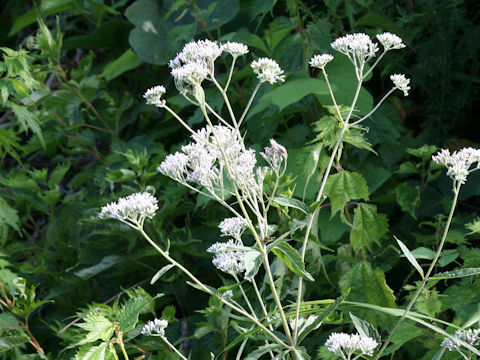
[(154, 96), (227, 260), (345, 345), (274, 155), (267, 70), (134, 208), (459, 163), (401, 83), (358, 46), (155, 328), (233, 227), (235, 49), (196, 62), (390, 41), (470, 336), (202, 161), (319, 61)]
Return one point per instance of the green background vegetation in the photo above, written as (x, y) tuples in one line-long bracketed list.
[(76, 134)]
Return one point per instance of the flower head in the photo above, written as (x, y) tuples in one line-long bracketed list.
[(319, 61), (155, 328), (174, 166), (345, 345), (267, 70), (227, 260), (233, 227), (470, 336), (358, 45), (390, 41), (274, 155), (202, 52), (133, 208), (154, 96), (459, 164), (235, 49), (189, 77), (401, 83)]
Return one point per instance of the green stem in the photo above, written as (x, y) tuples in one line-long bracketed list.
[(456, 191), (164, 338), (206, 289)]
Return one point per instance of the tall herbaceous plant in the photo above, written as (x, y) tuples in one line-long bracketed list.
[(218, 164)]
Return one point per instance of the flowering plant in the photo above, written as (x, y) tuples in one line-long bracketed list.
[(218, 164)]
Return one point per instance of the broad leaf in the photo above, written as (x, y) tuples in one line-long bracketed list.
[(127, 61), (262, 350), (253, 260), (11, 339), (128, 314), (292, 259), (368, 227), (343, 187), (368, 286), (98, 327), (364, 328), (410, 257), (107, 262)]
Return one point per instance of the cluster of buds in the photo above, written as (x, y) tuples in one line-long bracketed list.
[(155, 328), (459, 164), (470, 336), (345, 345), (226, 258)]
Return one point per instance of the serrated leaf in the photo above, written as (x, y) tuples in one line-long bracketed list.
[(364, 328), (410, 257), (301, 353), (456, 274), (128, 313), (8, 215), (474, 226), (58, 174), (321, 318), (343, 187), (291, 202), (100, 352), (368, 286), (98, 327), (11, 339), (292, 259), (160, 273), (368, 227), (27, 120)]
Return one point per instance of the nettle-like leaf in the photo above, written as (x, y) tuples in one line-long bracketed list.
[(101, 352), (98, 327), (12, 338), (345, 186), (368, 227), (8, 215), (368, 286), (128, 314), (474, 226)]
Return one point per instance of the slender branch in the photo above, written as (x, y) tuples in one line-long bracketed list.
[(456, 191), (164, 338), (375, 108), (230, 74), (249, 104), (332, 95)]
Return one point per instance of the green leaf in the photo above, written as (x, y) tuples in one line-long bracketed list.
[(98, 327), (456, 274), (368, 227), (8, 215), (253, 260), (160, 273), (364, 328), (127, 61), (128, 314), (343, 187), (7, 320), (423, 253), (321, 318), (410, 257), (301, 353), (100, 352), (107, 262), (11, 339), (474, 226), (408, 198), (291, 202), (292, 259), (58, 174), (368, 286), (262, 350), (27, 120)]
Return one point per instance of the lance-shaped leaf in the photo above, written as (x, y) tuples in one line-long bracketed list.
[(343, 187), (161, 272), (364, 328), (262, 350), (410, 256), (456, 274), (291, 202), (292, 259)]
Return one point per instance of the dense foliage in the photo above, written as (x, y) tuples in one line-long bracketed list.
[(76, 134)]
